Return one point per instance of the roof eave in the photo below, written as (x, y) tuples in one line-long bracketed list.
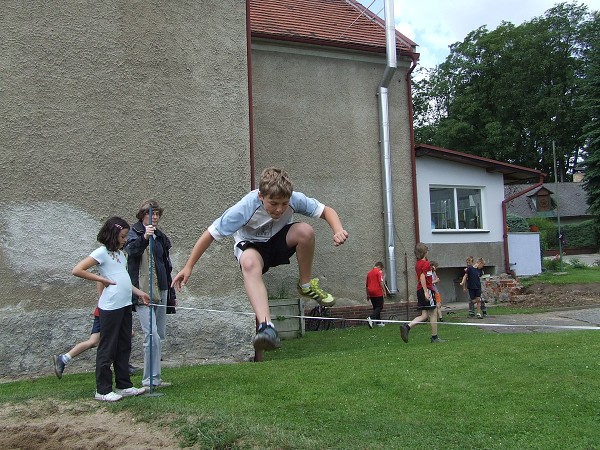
[(512, 173), (328, 43)]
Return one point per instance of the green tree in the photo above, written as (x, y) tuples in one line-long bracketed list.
[(507, 94), (592, 128)]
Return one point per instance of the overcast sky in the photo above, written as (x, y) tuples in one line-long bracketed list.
[(435, 24)]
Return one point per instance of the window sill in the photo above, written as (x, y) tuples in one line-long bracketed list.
[(458, 231)]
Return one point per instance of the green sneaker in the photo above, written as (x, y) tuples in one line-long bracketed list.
[(316, 293)]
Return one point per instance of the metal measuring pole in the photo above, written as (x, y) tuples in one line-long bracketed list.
[(150, 258)]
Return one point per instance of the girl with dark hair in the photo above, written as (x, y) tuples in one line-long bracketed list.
[(114, 307)]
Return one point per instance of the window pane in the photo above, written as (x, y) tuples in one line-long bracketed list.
[(442, 208), (469, 209)]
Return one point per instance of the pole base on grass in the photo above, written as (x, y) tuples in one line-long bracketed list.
[(154, 394)]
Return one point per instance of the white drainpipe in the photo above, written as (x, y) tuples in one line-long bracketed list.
[(384, 139)]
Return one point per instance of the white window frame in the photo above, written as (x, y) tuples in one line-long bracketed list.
[(456, 210)]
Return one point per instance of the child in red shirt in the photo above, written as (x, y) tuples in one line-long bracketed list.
[(425, 296), (376, 293)]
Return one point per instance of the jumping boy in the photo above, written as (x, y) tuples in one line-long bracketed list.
[(265, 237)]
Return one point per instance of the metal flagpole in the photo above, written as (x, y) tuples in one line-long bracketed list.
[(560, 236)]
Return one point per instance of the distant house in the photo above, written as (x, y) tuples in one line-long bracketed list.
[(461, 210), (569, 200)]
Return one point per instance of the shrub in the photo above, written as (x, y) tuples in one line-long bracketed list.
[(542, 223), (577, 264), (583, 234), (547, 230), (551, 264), (516, 223)]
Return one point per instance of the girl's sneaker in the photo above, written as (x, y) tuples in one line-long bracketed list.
[(316, 293), (266, 338), (110, 397)]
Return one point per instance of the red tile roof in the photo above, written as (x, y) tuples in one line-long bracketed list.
[(336, 23)]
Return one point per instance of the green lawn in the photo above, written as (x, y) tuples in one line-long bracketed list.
[(358, 388), (568, 275)]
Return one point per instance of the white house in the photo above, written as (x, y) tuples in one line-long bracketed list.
[(462, 210)]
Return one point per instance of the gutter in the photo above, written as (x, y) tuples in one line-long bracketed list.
[(384, 141), (505, 231), (413, 156), (250, 109)]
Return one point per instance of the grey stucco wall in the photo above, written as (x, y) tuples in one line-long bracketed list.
[(316, 114), (103, 104)]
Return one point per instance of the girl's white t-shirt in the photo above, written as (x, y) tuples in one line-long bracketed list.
[(113, 265)]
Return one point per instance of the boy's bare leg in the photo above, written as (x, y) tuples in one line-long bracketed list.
[(433, 319), (418, 319), (252, 264), (302, 236)]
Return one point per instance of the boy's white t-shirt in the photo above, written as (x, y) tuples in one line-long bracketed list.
[(248, 220), (113, 265)]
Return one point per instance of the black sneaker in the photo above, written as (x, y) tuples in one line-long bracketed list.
[(266, 338), (404, 329), (437, 340), (59, 365)]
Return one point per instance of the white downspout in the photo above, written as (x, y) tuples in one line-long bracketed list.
[(384, 140)]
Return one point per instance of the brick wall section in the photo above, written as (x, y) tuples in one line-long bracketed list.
[(391, 310), (500, 288)]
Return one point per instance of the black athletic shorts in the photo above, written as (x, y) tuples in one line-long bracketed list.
[(423, 303), (274, 252), (474, 293)]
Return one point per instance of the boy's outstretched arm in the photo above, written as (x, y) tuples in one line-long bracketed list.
[(200, 247), (331, 217)]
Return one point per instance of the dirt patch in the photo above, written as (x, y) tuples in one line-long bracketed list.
[(558, 296), (85, 425)]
